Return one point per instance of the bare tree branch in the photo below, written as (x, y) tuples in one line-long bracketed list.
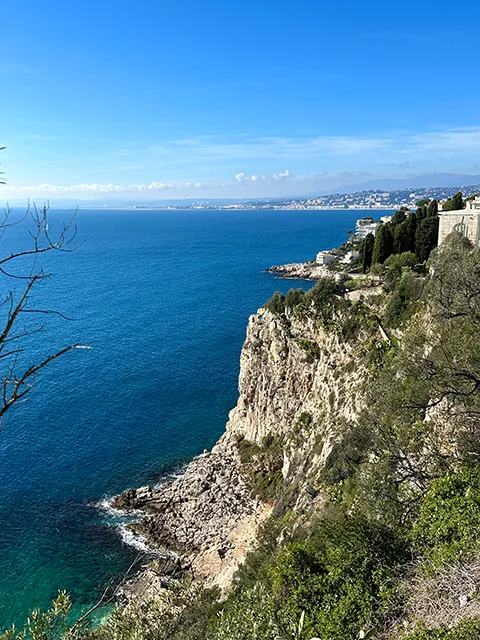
[(24, 269)]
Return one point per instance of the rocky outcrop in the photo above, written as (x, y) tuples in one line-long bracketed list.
[(197, 515), (304, 271), (298, 382)]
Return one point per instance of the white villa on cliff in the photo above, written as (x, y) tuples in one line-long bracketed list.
[(465, 221)]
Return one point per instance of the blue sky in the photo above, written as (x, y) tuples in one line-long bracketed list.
[(164, 98)]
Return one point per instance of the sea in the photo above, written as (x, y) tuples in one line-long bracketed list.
[(162, 298)]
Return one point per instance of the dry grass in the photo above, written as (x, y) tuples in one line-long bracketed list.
[(446, 598)]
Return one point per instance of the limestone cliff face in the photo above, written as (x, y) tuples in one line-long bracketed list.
[(299, 382), (287, 367)]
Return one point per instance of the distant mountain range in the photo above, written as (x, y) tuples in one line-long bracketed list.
[(416, 182)]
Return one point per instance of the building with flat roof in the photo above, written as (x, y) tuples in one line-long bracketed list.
[(325, 257), (364, 227)]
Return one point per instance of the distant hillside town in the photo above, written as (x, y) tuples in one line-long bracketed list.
[(361, 200)]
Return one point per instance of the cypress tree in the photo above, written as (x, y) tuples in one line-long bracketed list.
[(432, 209), (368, 252), (410, 231), (400, 238), (383, 246), (427, 238), (419, 215), (457, 201)]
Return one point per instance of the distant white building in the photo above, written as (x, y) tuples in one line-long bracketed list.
[(364, 227), (350, 257), (474, 204), (325, 257), (385, 219)]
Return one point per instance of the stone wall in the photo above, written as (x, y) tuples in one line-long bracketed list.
[(467, 222)]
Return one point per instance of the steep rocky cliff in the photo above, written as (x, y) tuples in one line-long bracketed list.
[(299, 384)]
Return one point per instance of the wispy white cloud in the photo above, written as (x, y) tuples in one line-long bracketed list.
[(101, 188), (245, 178), (393, 146)]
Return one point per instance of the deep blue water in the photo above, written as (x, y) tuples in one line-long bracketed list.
[(163, 298)]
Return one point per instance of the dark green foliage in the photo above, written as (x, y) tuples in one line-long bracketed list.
[(293, 297), (410, 230), (247, 450), (449, 521), (432, 209), (267, 484), (341, 576), (276, 304), (400, 239), (421, 203), (399, 217), (367, 252), (347, 455), (405, 299), (383, 246), (321, 301), (426, 238), (395, 266), (455, 203), (420, 214)]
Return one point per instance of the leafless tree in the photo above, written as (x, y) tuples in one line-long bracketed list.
[(21, 272)]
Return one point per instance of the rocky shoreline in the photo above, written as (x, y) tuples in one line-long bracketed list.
[(304, 271), (203, 521)]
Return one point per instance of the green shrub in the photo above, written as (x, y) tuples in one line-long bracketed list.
[(342, 576), (293, 298), (267, 484), (183, 612), (405, 299), (449, 520), (320, 301), (264, 465), (312, 350), (396, 264), (276, 304), (247, 450)]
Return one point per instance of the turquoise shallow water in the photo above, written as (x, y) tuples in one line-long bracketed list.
[(163, 298)]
